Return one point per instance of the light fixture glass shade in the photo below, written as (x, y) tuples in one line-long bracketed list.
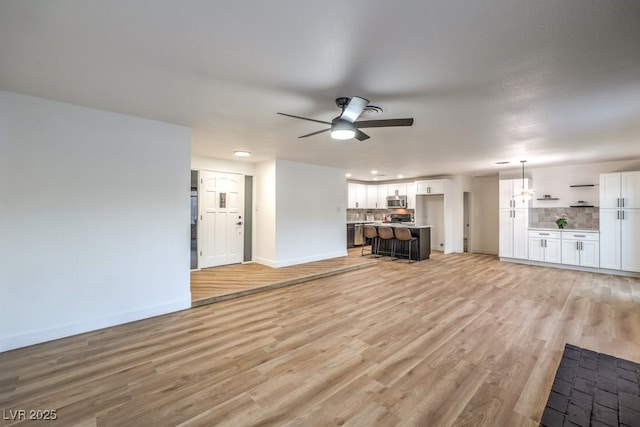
[(524, 193), (342, 134), (341, 129), (242, 153)]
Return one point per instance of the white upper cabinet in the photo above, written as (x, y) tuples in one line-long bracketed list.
[(434, 186), (609, 190), (620, 190), (514, 220), (372, 197), (382, 196), (357, 196), (376, 197), (397, 189), (508, 190)]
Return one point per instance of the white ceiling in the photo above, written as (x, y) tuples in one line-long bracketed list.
[(549, 81)]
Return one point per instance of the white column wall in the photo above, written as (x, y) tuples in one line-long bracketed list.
[(311, 213), (94, 219), (300, 213), (264, 214)]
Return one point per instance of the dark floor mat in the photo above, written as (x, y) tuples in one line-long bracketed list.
[(593, 389)]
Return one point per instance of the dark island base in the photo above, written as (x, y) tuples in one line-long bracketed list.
[(420, 249)]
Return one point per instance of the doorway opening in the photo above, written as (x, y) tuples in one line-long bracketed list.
[(194, 220), (467, 219)]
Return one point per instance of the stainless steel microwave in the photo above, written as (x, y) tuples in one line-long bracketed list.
[(396, 202)]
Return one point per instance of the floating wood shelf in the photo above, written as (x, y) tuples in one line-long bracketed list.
[(582, 185), (582, 206), (548, 198)]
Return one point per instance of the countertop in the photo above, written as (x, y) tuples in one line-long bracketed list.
[(360, 222), (400, 224), (570, 230)]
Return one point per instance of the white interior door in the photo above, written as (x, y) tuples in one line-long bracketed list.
[(221, 228)]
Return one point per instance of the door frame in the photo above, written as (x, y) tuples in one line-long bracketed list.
[(202, 239)]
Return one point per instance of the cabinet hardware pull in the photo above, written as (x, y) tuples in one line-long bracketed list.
[(544, 234), (577, 246), (618, 212), (579, 235), (622, 214), (622, 203), (618, 202)]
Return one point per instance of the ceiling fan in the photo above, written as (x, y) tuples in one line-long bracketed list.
[(345, 125)]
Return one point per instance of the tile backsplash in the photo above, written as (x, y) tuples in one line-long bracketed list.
[(577, 218), (378, 214)]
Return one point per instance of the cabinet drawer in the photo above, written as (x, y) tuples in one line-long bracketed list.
[(574, 235), (545, 234)]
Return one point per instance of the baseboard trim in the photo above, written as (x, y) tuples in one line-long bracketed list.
[(301, 260), (572, 267), (89, 325)]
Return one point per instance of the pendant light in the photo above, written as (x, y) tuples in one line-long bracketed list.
[(524, 193)]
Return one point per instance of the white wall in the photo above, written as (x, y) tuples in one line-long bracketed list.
[(556, 181), (300, 213), (264, 213), (221, 165), (94, 219), (311, 213), (430, 211)]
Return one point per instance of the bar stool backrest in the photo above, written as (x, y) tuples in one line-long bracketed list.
[(403, 234), (385, 232), (370, 232)]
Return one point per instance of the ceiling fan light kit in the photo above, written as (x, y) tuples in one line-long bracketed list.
[(342, 129), (345, 125)]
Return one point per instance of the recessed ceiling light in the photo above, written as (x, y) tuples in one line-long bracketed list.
[(348, 175), (375, 178), (400, 176), (374, 172), (242, 153), (502, 163)]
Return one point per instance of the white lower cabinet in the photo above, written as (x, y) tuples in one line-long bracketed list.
[(545, 246), (581, 248), (620, 239), (513, 233)]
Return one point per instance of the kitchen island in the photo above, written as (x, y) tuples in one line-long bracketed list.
[(420, 249)]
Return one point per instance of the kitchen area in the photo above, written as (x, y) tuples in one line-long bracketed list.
[(419, 205), (585, 220)]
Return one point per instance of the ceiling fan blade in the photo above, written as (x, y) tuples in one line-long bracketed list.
[(384, 123), (315, 133), (304, 118), (353, 110), (361, 136)]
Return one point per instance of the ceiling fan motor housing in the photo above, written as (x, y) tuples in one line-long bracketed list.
[(342, 102)]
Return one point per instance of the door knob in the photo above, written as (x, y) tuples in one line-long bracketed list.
[(239, 223)]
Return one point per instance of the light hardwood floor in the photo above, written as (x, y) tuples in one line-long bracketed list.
[(231, 281), (456, 340)]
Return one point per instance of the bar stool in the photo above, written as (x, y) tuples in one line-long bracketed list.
[(403, 235), (371, 234), (386, 234)]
